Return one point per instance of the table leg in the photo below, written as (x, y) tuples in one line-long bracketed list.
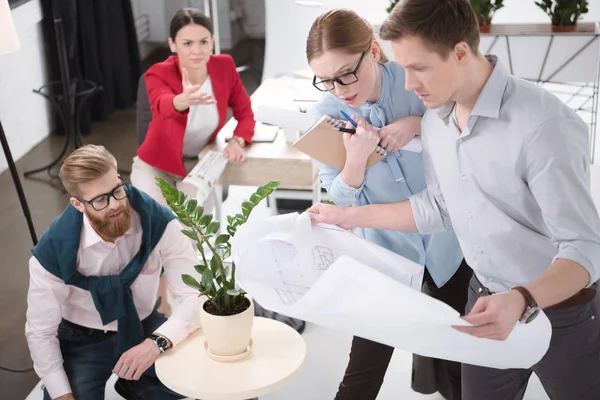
[(219, 207), (316, 190), (273, 204)]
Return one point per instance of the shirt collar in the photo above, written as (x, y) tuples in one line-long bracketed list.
[(490, 99), (90, 237)]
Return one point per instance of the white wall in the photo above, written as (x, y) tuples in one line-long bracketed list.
[(25, 115), (158, 13)]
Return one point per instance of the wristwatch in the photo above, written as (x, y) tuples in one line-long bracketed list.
[(241, 141), (161, 342), (531, 306)]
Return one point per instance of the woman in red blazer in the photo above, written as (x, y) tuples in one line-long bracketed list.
[(189, 94)]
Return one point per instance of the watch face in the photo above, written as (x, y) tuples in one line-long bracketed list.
[(162, 343), (530, 314)]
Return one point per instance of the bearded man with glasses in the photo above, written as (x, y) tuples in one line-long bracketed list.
[(93, 288)]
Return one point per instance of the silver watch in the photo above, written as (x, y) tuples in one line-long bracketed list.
[(161, 342)]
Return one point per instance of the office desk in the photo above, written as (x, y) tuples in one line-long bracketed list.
[(275, 161)]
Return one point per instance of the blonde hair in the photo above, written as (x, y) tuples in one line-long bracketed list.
[(340, 29), (84, 165)]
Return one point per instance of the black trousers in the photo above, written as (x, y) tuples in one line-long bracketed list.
[(369, 360)]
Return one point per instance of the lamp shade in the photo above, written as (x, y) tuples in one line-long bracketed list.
[(9, 43)]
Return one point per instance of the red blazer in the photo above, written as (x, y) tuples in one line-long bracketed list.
[(163, 146)]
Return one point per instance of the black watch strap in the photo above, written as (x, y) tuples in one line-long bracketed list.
[(161, 342)]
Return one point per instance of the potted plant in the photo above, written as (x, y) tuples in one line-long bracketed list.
[(228, 313), (484, 10), (564, 14), (392, 5)]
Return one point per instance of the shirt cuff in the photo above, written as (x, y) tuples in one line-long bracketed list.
[(176, 330), (426, 213), (56, 383), (343, 194)]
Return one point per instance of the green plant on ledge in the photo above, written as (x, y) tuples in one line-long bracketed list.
[(564, 12), (392, 5), (217, 281), (485, 9)]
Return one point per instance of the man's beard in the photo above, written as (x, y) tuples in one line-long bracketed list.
[(112, 229)]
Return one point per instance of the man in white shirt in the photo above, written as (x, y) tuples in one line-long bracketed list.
[(507, 166), (93, 286)]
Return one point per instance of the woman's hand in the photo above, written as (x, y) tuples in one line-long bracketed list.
[(189, 97), (398, 133), (360, 145), (234, 152)]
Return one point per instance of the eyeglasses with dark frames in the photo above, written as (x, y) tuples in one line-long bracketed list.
[(327, 85), (102, 201)]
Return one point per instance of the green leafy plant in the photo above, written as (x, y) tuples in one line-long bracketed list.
[(392, 5), (564, 12), (485, 9), (217, 280)]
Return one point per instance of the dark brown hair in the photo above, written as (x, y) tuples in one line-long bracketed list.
[(340, 29), (189, 16), (440, 23)]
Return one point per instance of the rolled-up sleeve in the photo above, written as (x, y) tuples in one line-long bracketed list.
[(557, 167), (428, 206), (339, 191)]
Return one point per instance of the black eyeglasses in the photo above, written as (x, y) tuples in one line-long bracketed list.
[(327, 85), (102, 201)]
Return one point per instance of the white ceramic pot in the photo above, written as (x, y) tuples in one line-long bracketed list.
[(228, 335)]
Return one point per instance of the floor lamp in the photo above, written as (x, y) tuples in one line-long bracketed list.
[(9, 43)]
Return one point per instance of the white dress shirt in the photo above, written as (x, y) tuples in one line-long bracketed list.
[(50, 299), (514, 185), (202, 122)]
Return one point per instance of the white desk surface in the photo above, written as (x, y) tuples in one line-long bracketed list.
[(276, 358), (278, 160)]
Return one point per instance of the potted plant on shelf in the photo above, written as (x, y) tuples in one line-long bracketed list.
[(484, 10), (564, 14), (392, 5), (228, 313)]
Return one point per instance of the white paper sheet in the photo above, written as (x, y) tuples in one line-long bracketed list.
[(205, 174), (331, 277)]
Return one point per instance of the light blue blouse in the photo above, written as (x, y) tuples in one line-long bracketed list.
[(394, 179)]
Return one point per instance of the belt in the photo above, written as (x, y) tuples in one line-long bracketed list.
[(580, 298), (87, 331)]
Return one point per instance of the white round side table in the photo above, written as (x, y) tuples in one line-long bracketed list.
[(276, 358)]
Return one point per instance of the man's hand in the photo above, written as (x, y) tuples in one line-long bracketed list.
[(495, 316), (234, 152), (68, 396), (398, 133), (135, 361), (334, 215)]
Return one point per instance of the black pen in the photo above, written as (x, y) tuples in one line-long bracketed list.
[(380, 150), (346, 130)]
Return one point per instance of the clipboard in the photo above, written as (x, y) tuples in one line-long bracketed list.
[(325, 143)]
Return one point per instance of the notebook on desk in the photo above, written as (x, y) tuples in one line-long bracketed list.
[(325, 143), (264, 133)]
